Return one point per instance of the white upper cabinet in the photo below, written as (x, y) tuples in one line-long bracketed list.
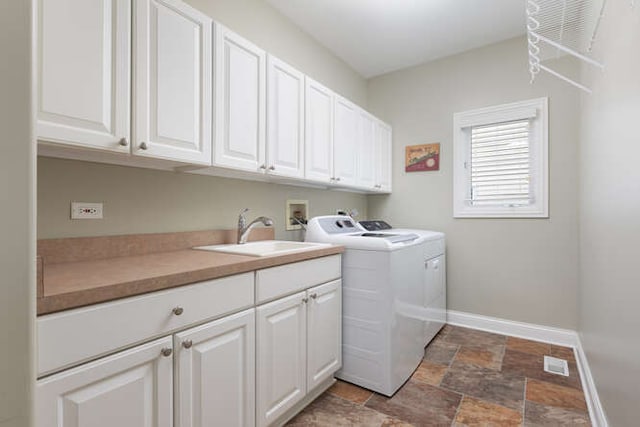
[(83, 74), (366, 151), (285, 119), (318, 132), (345, 141), (173, 60), (384, 159), (160, 81), (240, 102)]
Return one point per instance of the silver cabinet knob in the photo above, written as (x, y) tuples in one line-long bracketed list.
[(332, 179), (338, 179), (187, 344), (314, 295), (272, 168), (123, 142), (166, 352), (263, 167), (305, 300), (143, 146), (178, 311)]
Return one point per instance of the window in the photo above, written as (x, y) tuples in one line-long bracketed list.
[(500, 161)]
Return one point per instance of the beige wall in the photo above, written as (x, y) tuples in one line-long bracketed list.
[(139, 200), (263, 25), (609, 322), (518, 269), (17, 231), (145, 201)]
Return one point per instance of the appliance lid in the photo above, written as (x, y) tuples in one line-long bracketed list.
[(393, 238)]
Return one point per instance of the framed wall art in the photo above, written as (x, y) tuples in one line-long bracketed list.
[(420, 158)]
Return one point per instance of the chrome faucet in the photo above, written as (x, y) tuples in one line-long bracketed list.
[(244, 229)]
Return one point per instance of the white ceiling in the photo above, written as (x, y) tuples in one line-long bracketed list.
[(379, 36)]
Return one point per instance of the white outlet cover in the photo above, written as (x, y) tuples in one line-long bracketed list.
[(85, 210)]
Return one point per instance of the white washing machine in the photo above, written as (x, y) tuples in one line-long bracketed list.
[(434, 307), (383, 289)]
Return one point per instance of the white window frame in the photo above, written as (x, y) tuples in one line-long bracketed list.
[(534, 109)]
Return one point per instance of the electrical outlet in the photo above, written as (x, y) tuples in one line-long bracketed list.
[(83, 210)]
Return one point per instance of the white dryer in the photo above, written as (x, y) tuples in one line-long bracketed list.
[(435, 276), (383, 289)]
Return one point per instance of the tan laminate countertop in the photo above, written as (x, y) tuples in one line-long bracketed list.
[(76, 284)]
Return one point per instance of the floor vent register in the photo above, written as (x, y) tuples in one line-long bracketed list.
[(553, 365)]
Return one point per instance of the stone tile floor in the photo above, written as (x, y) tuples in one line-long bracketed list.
[(467, 378)]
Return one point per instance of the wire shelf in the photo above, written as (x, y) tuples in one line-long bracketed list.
[(560, 27)]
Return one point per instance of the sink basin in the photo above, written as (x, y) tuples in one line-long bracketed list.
[(265, 248)]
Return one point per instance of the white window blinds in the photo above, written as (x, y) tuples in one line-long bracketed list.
[(500, 164)]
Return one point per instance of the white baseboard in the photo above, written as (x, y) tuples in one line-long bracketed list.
[(563, 337), (596, 411), (558, 336)]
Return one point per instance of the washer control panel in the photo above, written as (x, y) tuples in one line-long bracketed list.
[(339, 225), (375, 225)]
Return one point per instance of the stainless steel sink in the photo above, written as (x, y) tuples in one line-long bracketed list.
[(265, 248)]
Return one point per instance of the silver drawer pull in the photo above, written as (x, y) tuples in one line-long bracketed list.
[(305, 300), (166, 352), (178, 311), (123, 142), (143, 146), (314, 295), (187, 344)]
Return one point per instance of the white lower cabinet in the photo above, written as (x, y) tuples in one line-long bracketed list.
[(132, 388), (215, 373), (324, 340), (281, 356), (251, 366), (299, 345), (214, 378)]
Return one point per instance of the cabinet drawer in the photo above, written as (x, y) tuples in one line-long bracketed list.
[(71, 337), (286, 279)]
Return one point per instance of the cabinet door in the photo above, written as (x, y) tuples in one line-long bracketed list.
[(324, 338), (240, 102), (215, 373), (318, 132), (383, 154), (366, 151), (173, 60), (83, 76), (281, 356), (285, 119), (345, 141), (129, 389)]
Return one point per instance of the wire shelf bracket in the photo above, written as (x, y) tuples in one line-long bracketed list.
[(560, 27)]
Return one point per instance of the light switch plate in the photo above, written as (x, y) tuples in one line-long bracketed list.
[(84, 210)]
